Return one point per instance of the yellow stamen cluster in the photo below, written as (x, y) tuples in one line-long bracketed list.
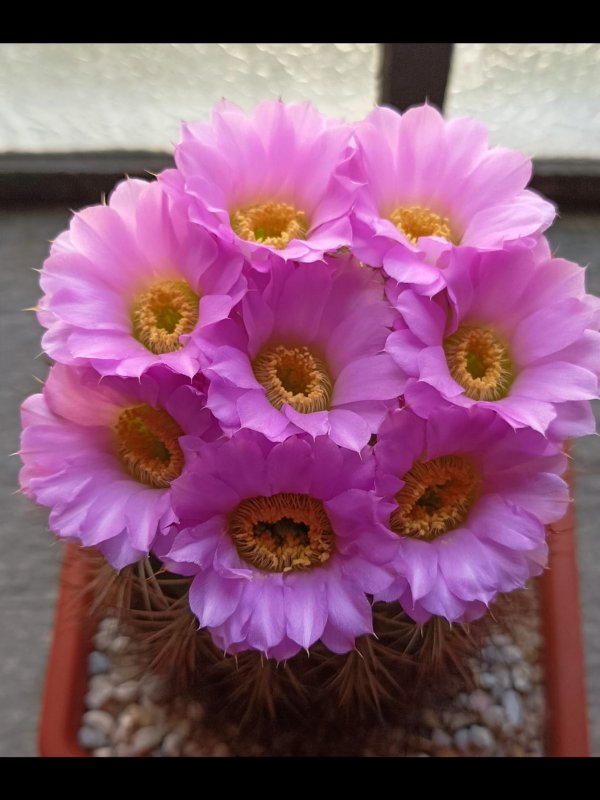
[(162, 313), (282, 533), (436, 497), (294, 375), (478, 360), (415, 221), (147, 442), (275, 224)]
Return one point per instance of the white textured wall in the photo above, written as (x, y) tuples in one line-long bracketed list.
[(77, 97), (543, 99)]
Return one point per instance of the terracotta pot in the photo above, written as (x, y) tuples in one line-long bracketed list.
[(566, 729)]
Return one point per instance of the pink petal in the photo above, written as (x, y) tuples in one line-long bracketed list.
[(375, 377), (214, 599), (349, 616), (305, 603), (348, 429)]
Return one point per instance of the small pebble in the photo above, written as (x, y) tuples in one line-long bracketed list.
[(478, 701), (491, 654), (99, 720), (513, 708), (104, 752), (521, 677), (481, 738), (130, 718), (493, 717), (101, 681), (512, 654), (146, 739), (126, 692), (118, 645), (171, 745), (106, 632), (440, 739), (98, 696), (500, 639), (122, 732), (459, 719), (101, 640), (90, 738), (462, 739), (143, 715), (109, 625), (98, 663), (487, 680), (503, 680)]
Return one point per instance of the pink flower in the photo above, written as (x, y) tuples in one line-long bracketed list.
[(306, 355), (429, 185), (272, 182), (284, 541), (471, 499), (515, 332), (134, 284), (101, 454)]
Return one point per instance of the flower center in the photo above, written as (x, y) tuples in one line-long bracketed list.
[(295, 376), (148, 445), (270, 223), (436, 497), (479, 361), (282, 533), (415, 221), (161, 314)]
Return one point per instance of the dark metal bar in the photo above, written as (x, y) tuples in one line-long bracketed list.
[(413, 72), (75, 180), (71, 179), (573, 184)]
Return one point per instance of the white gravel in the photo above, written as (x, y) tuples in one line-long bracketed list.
[(503, 716)]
